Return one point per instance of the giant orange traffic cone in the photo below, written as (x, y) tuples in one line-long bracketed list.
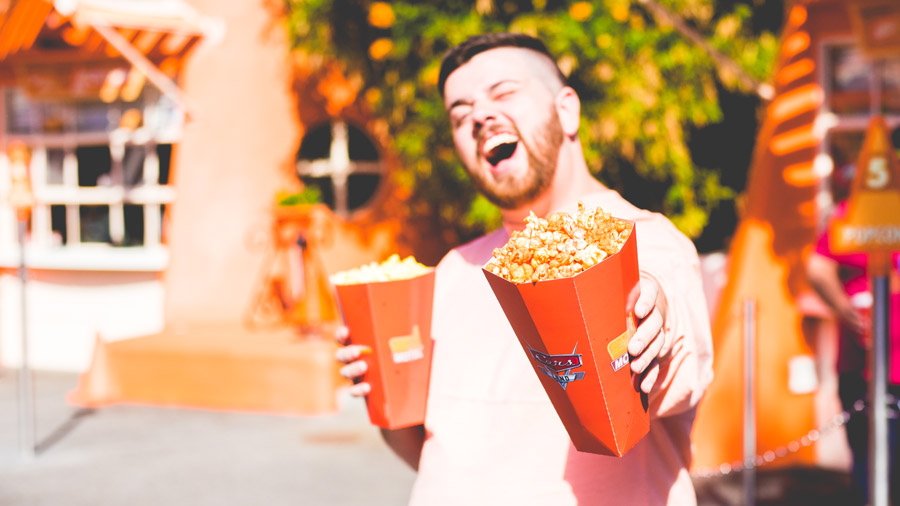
[(766, 254)]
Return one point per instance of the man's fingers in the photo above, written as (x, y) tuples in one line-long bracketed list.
[(645, 333), (351, 353), (354, 370), (647, 300), (649, 339), (360, 389), (649, 379), (342, 334), (642, 361)]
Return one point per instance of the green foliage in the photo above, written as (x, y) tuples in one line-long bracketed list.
[(308, 195), (642, 85)]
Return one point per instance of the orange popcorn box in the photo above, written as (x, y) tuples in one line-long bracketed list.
[(393, 318), (575, 332)]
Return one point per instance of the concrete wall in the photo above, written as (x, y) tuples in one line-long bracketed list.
[(69, 310)]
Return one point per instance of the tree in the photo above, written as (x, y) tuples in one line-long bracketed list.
[(646, 76)]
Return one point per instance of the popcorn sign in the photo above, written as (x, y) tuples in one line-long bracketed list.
[(872, 222)]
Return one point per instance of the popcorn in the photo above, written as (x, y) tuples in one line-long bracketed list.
[(575, 330), (391, 269), (560, 246)]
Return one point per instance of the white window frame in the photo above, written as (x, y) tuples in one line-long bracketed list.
[(338, 167), (42, 249)]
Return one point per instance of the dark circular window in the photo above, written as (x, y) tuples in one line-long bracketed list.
[(343, 163)]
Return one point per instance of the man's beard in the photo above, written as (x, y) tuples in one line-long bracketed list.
[(508, 191)]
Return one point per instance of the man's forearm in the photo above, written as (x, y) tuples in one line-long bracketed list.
[(406, 443)]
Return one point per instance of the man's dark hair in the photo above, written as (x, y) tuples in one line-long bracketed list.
[(458, 55)]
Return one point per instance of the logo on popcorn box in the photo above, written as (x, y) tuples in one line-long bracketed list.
[(407, 348), (559, 367)]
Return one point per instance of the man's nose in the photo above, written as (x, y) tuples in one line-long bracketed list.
[(482, 117)]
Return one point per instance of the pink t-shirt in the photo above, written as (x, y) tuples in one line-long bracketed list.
[(492, 435)]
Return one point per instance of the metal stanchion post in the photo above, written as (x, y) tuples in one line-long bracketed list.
[(749, 482), (871, 225), (21, 199), (878, 416), (26, 387)]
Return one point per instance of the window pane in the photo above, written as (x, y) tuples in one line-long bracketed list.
[(162, 219), (94, 223), (22, 116), (58, 223), (92, 117), (56, 119), (94, 165), (133, 165), (325, 185), (362, 188), (890, 86), (55, 159), (134, 225), (360, 146), (316, 143), (849, 75), (164, 152), (164, 115)]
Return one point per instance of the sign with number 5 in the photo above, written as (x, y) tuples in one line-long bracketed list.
[(872, 222)]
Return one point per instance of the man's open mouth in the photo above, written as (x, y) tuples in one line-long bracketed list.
[(499, 147)]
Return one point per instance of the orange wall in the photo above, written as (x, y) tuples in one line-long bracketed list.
[(236, 153)]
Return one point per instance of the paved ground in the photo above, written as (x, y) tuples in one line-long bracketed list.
[(782, 487), (143, 456)]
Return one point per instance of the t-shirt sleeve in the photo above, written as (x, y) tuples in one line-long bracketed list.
[(670, 258)]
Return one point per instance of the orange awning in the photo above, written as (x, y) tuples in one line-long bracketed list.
[(152, 37), (20, 23), (157, 29)]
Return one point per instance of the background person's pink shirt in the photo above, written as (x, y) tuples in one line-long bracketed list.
[(855, 280), (492, 435)]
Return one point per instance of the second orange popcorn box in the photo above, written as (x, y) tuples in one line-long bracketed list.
[(393, 318), (575, 332)]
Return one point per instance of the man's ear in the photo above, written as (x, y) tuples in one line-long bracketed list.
[(568, 107)]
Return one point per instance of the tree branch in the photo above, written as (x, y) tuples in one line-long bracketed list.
[(662, 15)]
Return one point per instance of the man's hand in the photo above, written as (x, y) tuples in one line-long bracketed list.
[(354, 369), (649, 345), (853, 319), (406, 442)]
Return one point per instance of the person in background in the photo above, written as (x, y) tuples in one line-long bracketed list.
[(491, 435), (842, 282)]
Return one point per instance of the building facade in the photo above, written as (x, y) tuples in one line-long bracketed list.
[(160, 135)]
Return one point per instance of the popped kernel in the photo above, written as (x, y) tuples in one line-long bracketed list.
[(560, 246)]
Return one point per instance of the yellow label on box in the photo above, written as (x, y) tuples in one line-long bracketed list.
[(618, 347), (407, 348)]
